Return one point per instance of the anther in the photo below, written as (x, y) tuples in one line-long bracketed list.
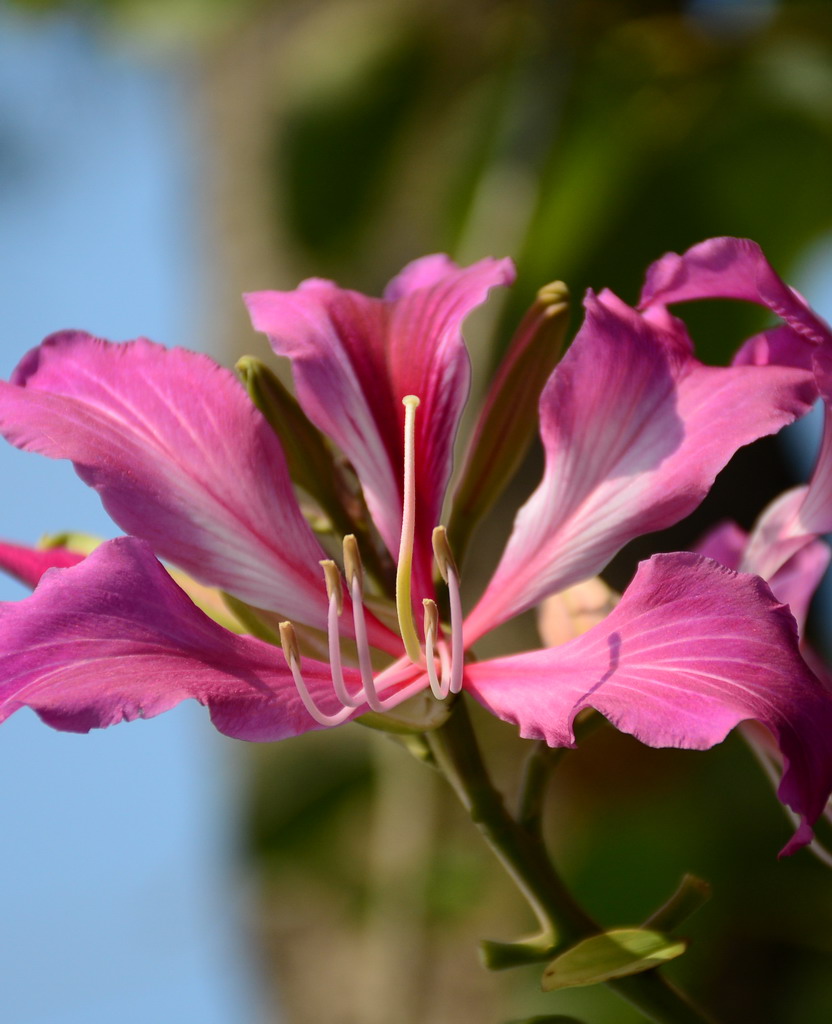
[(442, 553), (353, 569), (404, 605), (291, 652), (333, 582)]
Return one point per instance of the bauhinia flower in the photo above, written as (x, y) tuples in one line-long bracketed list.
[(634, 430)]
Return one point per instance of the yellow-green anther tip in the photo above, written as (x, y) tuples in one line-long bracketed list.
[(289, 641), (442, 552), (431, 616), (555, 294), (412, 401), (333, 581), (246, 367), (353, 568)]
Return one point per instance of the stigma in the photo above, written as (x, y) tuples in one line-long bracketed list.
[(442, 658)]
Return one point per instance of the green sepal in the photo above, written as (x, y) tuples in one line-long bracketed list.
[(421, 713), (613, 954), (691, 894), (81, 543), (509, 418), (311, 462), (498, 956), (265, 625)]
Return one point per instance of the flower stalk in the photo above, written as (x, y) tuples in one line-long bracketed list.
[(520, 849)]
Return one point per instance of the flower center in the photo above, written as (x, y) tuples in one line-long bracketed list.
[(451, 662)]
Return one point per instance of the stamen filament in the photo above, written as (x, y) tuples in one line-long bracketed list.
[(291, 653), (457, 644), (404, 604), (333, 587), (440, 690), (365, 666)]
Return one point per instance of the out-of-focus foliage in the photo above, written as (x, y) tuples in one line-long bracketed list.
[(584, 138)]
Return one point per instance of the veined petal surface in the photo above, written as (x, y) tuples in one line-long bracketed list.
[(354, 358), (731, 268), (114, 639), (179, 456), (692, 650), (634, 430)]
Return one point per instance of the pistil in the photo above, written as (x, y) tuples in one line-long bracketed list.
[(404, 602)]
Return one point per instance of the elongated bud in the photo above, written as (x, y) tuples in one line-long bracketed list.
[(509, 417), (290, 643), (333, 582)]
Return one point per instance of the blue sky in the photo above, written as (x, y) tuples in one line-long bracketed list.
[(120, 901)]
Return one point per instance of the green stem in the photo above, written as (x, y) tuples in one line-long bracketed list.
[(522, 853)]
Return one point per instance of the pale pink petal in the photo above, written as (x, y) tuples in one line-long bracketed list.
[(29, 564), (793, 582), (179, 456), (354, 358), (635, 431), (115, 639), (692, 650), (730, 268)]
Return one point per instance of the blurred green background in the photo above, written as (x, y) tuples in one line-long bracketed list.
[(584, 138)]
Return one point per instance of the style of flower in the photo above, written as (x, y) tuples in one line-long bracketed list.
[(634, 430)]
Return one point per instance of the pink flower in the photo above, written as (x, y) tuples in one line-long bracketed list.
[(634, 430)]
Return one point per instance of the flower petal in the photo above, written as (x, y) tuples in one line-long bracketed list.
[(730, 268), (692, 650), (180, 457), (354, 358), (115, 639), (635, 430), (29, 564), (793, 582)]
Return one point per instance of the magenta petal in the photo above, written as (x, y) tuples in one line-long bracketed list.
[(115, 639), (29, 564), (730, 268), (180, 458), (354, 358), (692, 650), (725, 543), (635, 430)]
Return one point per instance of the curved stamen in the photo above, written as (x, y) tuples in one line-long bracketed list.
[(440, 690), (404, 604), (291, 653), (457, 645), (450, 574), (355, 580), (336, 606)]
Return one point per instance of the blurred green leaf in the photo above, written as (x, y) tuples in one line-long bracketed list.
[(613, 954), (337, 146)]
